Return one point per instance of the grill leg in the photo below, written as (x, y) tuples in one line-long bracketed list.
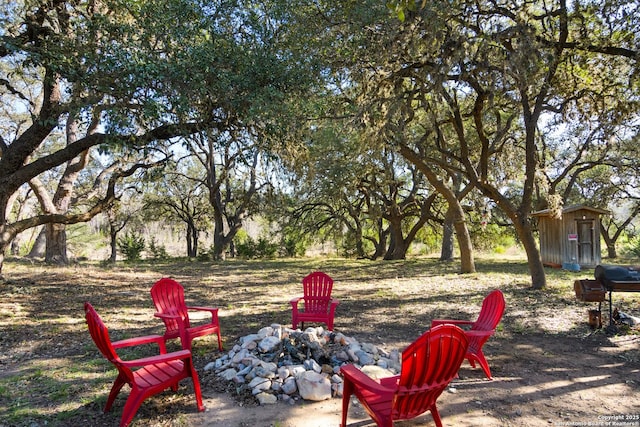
[(610, 310)]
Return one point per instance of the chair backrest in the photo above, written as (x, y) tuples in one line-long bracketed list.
[(317, 292), (99, 333), (428, 366), (491, 312), (168, 298)]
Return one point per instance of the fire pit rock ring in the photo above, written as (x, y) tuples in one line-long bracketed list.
[(279, 363)]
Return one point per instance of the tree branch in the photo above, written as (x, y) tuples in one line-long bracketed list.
[(35, 168)]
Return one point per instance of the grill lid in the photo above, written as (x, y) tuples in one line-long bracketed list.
[(617, 273)]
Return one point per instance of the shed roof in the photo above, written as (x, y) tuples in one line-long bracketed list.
[(573, 208)]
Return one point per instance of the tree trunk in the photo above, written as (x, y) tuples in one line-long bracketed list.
[(610, 242), (380, 245), (39, 246), (390, 249), (189, 242), (398, 246), (379, 249), (534, 260), (399, 251), (192, 240), (221, 241), (218, 237), (467, 262), (15, 246), (195, 242), (360, 254), (5, 235), (446, 251), (15, 242), (56, 251), (113, 243)]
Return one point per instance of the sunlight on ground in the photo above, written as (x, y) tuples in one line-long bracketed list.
[(58, 372)]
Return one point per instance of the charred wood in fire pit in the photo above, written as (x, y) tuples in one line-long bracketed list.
[(275, 355), (293, 351)]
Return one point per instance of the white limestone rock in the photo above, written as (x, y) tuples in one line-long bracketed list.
[(268, 344), (266, 398), (313, 386), (259, 384), (289, 386), (228, 374)]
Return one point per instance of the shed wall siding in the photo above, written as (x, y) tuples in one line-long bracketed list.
[(555, 246)]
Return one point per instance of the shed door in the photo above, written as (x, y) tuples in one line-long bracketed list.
[(585, 242)]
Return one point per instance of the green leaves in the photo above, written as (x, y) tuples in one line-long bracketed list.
[(398, 7)]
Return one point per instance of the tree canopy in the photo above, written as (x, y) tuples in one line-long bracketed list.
[(134, 76), (368, 118)]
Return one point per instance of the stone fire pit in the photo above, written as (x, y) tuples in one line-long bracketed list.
[(286, 364)]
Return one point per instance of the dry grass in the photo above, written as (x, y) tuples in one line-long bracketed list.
[(51, 373)]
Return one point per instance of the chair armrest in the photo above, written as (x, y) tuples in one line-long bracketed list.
[(212, 310), (332, 306), (167, 316), (436, 322), (390, 382), (161, 358), (477, 333), (294, 301), (361, 380), (129, 342)]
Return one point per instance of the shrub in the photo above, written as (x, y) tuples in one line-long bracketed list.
[(246, 248), (131, 245), (633, 247), (249, 248), (157, 251), (265, 248), (293, 242), (292, 247), (491, 238), (205, 254)]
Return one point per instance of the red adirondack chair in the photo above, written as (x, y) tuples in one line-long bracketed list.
[(428, 366), (152, 375), (481, 329), (168, 298), (317, 301)]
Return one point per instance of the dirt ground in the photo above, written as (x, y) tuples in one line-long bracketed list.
[(538, 380), (549, 367)]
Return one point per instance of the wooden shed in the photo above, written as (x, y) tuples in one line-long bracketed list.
[(572, 241)]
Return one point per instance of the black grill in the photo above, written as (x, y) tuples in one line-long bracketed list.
[(618, 278)]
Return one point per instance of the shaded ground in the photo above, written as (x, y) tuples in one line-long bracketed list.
[(549, 367)]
